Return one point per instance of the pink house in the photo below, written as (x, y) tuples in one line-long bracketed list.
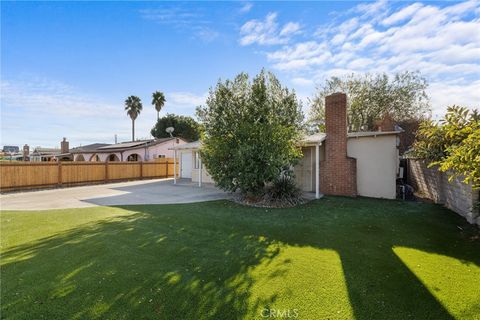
[(146, 150)]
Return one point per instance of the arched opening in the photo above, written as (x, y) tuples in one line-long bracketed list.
[(94, 158), (134, 157), (79, 157), (112, 158)]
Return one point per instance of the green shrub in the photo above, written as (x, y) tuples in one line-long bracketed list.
[(251, 132), (452, 144), (283, 191)]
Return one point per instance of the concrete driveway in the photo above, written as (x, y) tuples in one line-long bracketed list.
[(124, 193)]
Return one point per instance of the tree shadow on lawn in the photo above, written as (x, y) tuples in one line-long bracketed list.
[(194, 261), (151, 264)]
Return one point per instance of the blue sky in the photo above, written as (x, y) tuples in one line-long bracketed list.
[(67, 67)]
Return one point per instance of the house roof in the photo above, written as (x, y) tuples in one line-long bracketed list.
[(104, 147), (134, 144), (40, 149), (45, 151), (371, 133), (313, 139), (187, 146), (56, 155), (88, 147), (308, 140), (124, 145), (320, 137)]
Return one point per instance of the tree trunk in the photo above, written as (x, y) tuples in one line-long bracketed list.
[(158, 115), (133, 130)]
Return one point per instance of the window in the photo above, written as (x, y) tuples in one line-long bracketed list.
[(133, 157), (161, 156)]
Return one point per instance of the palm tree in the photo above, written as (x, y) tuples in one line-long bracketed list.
[(158, 100), (133, 105)]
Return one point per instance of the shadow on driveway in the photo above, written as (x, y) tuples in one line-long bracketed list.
[(123, 193), (161, 192)]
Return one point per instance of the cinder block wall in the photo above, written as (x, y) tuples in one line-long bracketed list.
[(434, 185), (337, 172)]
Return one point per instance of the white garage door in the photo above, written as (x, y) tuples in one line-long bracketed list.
[(186, 165)]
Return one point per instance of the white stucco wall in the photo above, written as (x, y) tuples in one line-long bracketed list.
[(153, 152), (377, 165), (206, 178), (305, 169)]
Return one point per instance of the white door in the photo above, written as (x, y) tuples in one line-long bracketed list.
[(186, 165)]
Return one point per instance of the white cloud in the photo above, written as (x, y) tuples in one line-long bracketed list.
[(375, 10), (372, 38), (370, 8), (462, 8), (176, 16), (193, 21), (338, 39), (246, 7), (360, 63), (302, 82), (186, 99), (300, 56), (45, 96), (348, 25), (456, 54), (442, 42), (401, 15), (290, 28), (301, 50), (206, 34), (57, 110), (267, 32), (446, 94)]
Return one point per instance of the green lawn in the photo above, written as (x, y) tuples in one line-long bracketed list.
[(335, 258)]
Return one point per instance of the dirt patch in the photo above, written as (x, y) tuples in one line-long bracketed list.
[(261, 202)]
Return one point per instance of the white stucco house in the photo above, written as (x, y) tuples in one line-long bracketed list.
[(334, 162)]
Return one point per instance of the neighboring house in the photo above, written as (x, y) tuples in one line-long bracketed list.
[(349, 164), (145, 150), (51, 154), (44, 154), (189, 162), (12, 157), (11, 149)]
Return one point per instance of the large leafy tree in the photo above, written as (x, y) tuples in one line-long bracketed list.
[(158, 100), (185, 127), (133, 105), (371, 97), (453, 144), (251, 128)]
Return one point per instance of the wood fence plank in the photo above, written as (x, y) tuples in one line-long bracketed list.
[(23, 175)]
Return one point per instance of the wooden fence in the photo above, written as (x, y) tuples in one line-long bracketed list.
[(18, 175)]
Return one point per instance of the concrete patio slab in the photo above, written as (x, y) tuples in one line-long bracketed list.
[(161, 191)]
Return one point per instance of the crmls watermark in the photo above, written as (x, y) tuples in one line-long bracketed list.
[(279, 313)]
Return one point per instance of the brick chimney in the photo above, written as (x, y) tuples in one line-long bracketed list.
[(64, 146), (26, 152), (338, 172), (385, 124)]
